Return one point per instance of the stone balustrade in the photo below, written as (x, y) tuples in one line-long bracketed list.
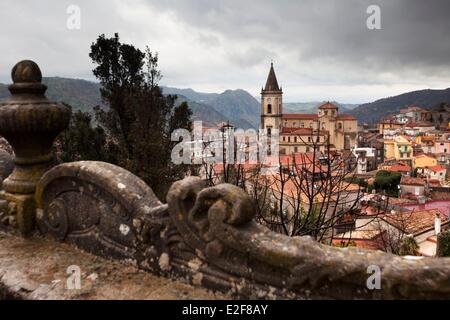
[(207, 235)]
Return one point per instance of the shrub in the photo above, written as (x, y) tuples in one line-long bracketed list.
[(443, 244), (408, 247)]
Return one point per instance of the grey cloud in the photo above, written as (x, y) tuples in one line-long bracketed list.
[(324, 45)]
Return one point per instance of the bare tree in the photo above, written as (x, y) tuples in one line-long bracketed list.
[(305, 194)]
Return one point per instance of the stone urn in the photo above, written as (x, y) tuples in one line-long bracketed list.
[(30, 123)]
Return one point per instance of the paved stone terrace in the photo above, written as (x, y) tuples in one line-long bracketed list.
[(36, 269)]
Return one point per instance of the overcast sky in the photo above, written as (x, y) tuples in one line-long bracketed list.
[(322, 50)]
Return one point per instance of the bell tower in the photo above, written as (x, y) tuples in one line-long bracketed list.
[(271, 103)]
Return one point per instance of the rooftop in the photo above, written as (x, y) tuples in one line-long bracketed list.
[(272, 83), (414, 222), (328, 105), (300, 116), (411, 181)]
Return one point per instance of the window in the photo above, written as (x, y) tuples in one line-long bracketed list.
[(295, 149), (269, 108), (289, 139), (309, 139), (307, 149), (269, 131), (295, 139), (284, 138), (302, 125), (340, 125), (326, 112)]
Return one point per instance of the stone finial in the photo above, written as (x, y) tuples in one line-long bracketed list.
[(30, 123), (26, 71), (26, 76)]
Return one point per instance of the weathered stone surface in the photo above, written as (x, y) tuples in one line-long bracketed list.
[(6, 165), (30, 123), (208, 235), (216, 223), (36, 268), (93, 205)]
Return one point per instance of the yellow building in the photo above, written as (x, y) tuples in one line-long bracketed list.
[(388, 124), (423, 161), (400, 149)]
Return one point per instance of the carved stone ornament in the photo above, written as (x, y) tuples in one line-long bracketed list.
[(30, 123), (209, 236)]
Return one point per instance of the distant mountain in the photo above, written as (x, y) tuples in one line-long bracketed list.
[(80, 94), (375, 111), (239, 109), (190, 94), (208, 115), (238, 104), (311, 107)]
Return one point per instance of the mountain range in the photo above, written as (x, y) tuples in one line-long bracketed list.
[(375, 111), (238, 107)]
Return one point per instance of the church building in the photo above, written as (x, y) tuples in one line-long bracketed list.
[(303, 132)]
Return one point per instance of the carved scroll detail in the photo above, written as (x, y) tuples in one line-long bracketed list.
[(95, 205), (217, 223), (209, 236)]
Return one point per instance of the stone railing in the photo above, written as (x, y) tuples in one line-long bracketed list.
[(204, 234)]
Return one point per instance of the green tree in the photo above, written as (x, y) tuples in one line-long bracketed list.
[(408, 247), (140, 119), (443, 244), (81, 141), (387, 181)]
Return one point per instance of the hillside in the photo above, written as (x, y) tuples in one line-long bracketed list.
[(84, 95), (374, 111), (80, 94), (238, 104), (208, 115), (311, 107), (190, 94)]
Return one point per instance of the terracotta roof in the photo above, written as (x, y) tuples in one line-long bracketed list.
[(328, 105), (414, 222), (411, 181), (272, 83), (299, 116), (399, 168), (302, 131), (345, 117), (413, 125), (437, 168), (434, 183)]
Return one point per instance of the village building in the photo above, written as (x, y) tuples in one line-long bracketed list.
[(412, 188), (423, 161), (305, 132), (399, 148)]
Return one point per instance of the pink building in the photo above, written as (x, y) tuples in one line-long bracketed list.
[(442, 146)]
